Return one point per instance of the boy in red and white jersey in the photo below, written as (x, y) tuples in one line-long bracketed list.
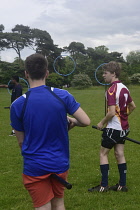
[(118, 95), (120, 105)]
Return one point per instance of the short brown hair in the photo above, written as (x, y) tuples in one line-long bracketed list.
[(36, 65), (113, 67)]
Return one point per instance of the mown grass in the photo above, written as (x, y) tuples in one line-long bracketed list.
[(84, 170)]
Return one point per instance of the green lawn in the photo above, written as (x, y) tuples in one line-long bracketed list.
[(84, 170)]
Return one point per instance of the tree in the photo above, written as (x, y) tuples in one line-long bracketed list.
[(7, 70), (36, 39), (1, 28), (97, 55), (91, 53), (15, 42), (43, 42), (21, 29), (75, 48), (101, 55), (113, 56), (3, 43), (52, 56), (133, 62), (133, 57), (101, 49), (18, 39), (125, 78)]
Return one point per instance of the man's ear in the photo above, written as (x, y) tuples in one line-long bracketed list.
[(47, 74), (26, 74)]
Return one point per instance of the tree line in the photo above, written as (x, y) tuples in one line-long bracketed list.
[(86, 59)]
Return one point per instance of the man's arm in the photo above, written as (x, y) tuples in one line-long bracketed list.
[(108, 117), (20, 137), (80, 119), (3, 86), (131, 106)]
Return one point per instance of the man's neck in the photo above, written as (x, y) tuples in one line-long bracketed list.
[(36, 83)]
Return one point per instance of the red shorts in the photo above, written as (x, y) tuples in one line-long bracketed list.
[(43, 188)]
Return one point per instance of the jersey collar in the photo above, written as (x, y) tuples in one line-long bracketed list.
[(115, 82)]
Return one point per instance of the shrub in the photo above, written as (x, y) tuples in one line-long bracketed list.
[(81, 81), (55, 80), (135, 78)]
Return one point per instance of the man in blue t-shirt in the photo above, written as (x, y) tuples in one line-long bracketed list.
[(40, 121)]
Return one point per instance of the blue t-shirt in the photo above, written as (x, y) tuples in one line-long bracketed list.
[(45, 147)]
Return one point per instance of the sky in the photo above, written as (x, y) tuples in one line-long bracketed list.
[(114, 24)]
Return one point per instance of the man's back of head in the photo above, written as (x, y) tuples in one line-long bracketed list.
[(36, 65)]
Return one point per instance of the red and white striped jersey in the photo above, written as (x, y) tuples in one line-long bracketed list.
[(118, 95)]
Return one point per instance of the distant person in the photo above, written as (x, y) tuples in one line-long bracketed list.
[(15, 87), (40, 121), (16, 92), (120, 105)]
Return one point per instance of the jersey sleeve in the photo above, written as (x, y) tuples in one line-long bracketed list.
[(129, 99), (111, 96)]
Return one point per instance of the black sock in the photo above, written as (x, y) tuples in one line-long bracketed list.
[(104, 171), (122, 171)]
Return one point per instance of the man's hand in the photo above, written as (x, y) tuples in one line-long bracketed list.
[(71, 122)]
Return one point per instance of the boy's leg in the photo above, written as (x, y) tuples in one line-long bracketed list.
[(122, 171), (104, 168), (119, 154), (47, 206), (58, 189), (122, 167)]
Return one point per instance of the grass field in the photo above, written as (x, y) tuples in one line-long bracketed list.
[(84, 170)]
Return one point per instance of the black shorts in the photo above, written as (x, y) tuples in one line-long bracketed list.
[(110, 137)]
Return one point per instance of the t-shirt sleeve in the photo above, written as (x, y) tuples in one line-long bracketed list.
[(15, 114), (71, 104)]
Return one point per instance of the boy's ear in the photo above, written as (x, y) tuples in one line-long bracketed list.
[(114, 74)]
